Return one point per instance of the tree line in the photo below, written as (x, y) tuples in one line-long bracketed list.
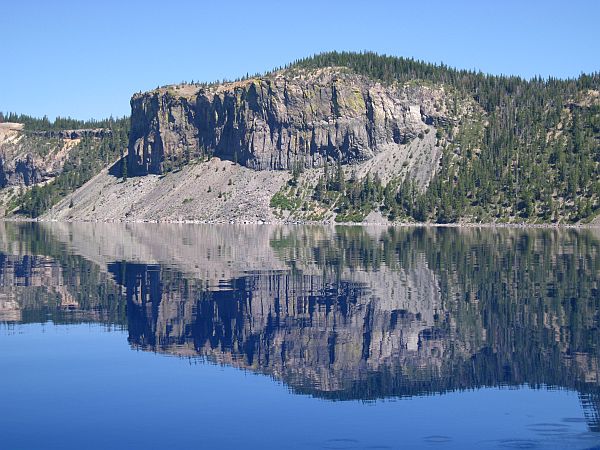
[(59, 123), (86, 160), (537, 158)]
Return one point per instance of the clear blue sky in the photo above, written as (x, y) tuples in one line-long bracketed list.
[(85, 59)]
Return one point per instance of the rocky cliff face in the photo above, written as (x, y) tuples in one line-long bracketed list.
[(28, 158), (282, 119), (98, 133)]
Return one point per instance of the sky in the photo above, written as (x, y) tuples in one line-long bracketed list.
[(85, 59)]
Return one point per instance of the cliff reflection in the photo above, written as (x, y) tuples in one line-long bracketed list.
[(344, 313), (403, 313), (41, 280)]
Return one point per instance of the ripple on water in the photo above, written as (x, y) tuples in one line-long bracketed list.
[(437, 438), (518, 443), (548, 428), (574, 420), (340, 443)]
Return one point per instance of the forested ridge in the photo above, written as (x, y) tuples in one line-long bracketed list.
[(59, 123), (530, 154), (535, 156), (85, 160)]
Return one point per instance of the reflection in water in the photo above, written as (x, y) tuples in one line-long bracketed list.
[(339, 313)]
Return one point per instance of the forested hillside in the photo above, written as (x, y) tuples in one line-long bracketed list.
[(359, 133), (60, 123), (534, 156), (90, 147)]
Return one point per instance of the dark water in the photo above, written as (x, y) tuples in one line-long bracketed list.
[(148, 336)]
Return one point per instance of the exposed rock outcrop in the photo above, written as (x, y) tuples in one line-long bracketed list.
[(25, 172), (189, 135), (32, 157), (286, 118), (75, 134)]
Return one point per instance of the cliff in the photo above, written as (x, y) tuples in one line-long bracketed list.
[(32, 157), (208, 152), (291, 117), (41, 162), (356, 138), (27, 159)]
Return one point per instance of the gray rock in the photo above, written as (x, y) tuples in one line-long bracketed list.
[(290, 117), (74, 134), (22, 172), (31, 157)]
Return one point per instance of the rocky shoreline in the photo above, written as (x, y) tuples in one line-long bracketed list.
[(313, 223)]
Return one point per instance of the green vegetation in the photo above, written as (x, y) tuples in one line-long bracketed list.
[(351, 199), (60, 123), (537, 159), (87, 159), (283, 200)]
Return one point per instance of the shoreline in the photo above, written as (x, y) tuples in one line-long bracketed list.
[(521, 225)]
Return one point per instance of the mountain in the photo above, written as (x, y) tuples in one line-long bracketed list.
[(356, 137)]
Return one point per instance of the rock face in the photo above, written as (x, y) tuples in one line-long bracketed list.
[(24, 172), (98, 133), (280, 120), (28, 158)]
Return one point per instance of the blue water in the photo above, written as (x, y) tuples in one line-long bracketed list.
[(434, 346), (81, 386)]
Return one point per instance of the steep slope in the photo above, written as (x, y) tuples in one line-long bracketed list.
[(212, 191), (355, 137), (289, 118), (233, 144), (29, 159), (41, 162), (533, 157)]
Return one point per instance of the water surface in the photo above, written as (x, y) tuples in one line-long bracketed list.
[(154, 336)]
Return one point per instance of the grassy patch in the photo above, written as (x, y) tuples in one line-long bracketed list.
[(282, 201), (351, 216)]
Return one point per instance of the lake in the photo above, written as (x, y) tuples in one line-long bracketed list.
[(223, 336)]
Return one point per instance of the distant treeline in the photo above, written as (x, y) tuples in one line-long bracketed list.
[(87, 159), (60, 123)]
